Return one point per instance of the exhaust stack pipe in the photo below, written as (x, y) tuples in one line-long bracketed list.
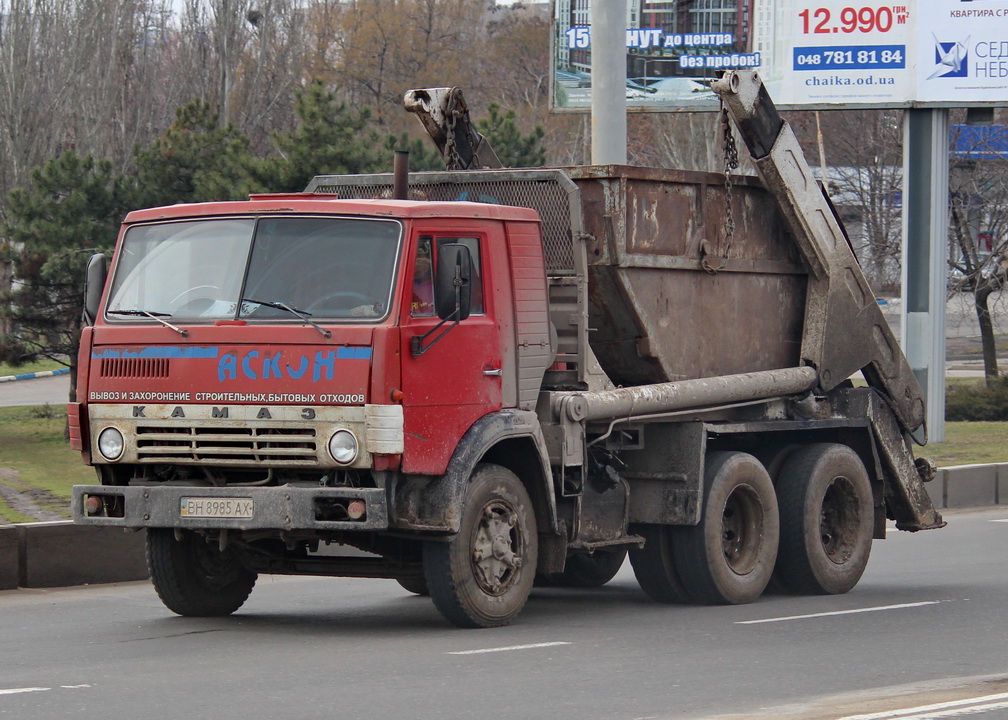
[(400, 175)]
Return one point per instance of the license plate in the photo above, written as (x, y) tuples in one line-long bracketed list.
[(216, 507)]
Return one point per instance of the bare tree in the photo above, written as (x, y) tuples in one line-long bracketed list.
[(270, 72), (515, 67), (92, 75), (230, 31), (568, 139), (35, 84), (978, 233), (864, 153), (381, 48), (686, 140)]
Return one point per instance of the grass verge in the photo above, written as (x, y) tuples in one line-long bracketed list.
[(36, 460), (968, 443), (31, 367)]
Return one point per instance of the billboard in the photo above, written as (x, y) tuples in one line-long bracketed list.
[(810, 53)]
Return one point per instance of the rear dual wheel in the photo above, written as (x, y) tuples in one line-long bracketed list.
[(827, 518), (728, 557), (587, 570), (817, 528), (654, 565), (416, 584)]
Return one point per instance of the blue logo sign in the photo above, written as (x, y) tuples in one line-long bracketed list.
[(951, 59)]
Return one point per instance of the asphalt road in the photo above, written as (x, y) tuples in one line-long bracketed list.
[(54, 390), (925, 626)]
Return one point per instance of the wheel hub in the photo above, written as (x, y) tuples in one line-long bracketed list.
[(742, 529), (840, 520), (497, 548)]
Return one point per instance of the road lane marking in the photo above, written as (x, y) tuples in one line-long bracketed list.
[(953, 708), (902, 606), (958, 712), (15, 691), (1001, 520), (509, 648)]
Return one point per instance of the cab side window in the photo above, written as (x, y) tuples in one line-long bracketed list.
[(422, 302)]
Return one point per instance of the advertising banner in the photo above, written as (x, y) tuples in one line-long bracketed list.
[(963, 53), (810, 53)]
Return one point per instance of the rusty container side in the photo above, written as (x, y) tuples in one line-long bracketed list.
[(656, 313)]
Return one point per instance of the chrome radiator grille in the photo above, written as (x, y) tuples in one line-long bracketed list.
[(227, 445)]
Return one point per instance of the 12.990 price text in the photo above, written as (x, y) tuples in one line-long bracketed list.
[(850, 19)]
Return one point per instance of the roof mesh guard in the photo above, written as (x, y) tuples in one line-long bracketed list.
[(550, 192)]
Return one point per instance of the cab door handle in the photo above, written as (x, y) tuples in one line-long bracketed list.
[(492, 372)]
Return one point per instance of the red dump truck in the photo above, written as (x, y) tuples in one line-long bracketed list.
[(508, 377)]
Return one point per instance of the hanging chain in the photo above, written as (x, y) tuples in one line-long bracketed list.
[(730, 163), (451, 156)]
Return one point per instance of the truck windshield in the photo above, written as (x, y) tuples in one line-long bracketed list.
[(216, 269)]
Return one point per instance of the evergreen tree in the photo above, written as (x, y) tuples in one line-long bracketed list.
[(512, 147), (329, 139), (422, 153), (195, 160), (70, 210)]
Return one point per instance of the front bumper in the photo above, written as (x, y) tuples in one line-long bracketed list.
[(274, 508)]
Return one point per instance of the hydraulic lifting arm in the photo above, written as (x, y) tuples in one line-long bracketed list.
[(844, 327), (445, 116)]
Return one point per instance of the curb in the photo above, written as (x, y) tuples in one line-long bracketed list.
[(61, 554), (32, 376), (965, 486)]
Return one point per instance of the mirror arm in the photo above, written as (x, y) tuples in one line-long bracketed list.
[(417, 341), (417, 347)]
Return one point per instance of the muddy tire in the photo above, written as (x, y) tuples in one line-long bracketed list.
[(482, 576), (728, 558), (193, 577), (589, 571), (827, 519), (654, 565)]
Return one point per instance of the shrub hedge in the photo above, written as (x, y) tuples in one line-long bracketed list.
[(977, 402)]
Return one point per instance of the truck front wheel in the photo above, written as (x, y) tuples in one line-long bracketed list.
[(728, 558), (826, 519), (193, 577), (482, 576)]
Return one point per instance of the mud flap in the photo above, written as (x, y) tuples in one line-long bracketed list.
[(907, 501)]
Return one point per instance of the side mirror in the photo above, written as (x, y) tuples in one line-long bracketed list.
[(453, 282), (94, 283)]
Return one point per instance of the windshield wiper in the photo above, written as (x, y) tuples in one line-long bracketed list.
[(152, 315), (302, 314)]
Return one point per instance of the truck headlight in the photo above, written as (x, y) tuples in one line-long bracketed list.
[(111, 443), (343, 447)]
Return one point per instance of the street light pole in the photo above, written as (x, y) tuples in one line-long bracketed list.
[(608, 78)]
